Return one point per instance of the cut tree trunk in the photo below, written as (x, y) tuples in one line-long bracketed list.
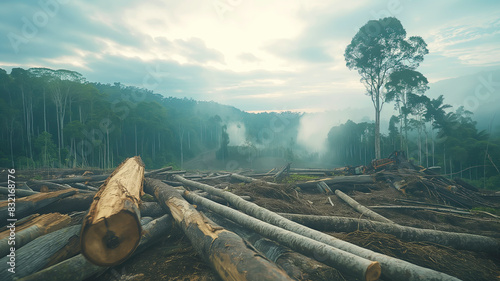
[(351, 264), (392, 268), (248, 179), (296, 265), (446, 210), (29, 230), (75, 203), (30, 204), (347, 180), (237, 262), (74, 179), (47, 249), (19, 192), (460, 241), (111, 230), (282, 173), (360, 208), (78, 268)]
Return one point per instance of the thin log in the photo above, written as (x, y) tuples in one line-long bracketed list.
[(237, 262), (248, 179), (446, 210), (351, 180), (19, 192), (111, 231), (43, 250), (78, 268), (297, 266), (282, 173), (30, 204), (360, 208), (158, 171), (85, 186), (460, 241), (341, 260), (75, 203), (31, 229), (392, 268)]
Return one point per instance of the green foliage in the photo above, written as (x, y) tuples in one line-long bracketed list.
[(296, 178)]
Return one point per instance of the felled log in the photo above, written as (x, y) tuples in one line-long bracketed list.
[(151, 209), (392, 268), (53, 247), (74, 203), (348, 180), (460, 241), (324, 188), (154, 172), (360, 208), (73, 179), (282, 173), (30, 204), (297, 266), (446, 210), (78, 268), (248, 179), (31, 229), (84, 186), (341, 260), (111, 231), (19, 192), (237, 262)]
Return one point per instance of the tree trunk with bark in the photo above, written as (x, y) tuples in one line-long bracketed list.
[(30, 204), (237, 262), (345, 180), (45, 250), (111, 230), (248, 180), (460, 241), (392, 268), (360, 208), (28, 230), (78, 268)]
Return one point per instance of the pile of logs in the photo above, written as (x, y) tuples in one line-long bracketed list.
[(52, 245)]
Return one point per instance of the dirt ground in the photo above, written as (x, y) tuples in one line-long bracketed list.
[(174, 259)]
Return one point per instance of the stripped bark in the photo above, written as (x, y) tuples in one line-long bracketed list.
[(30, 204), (446, 210), (460, 241), (341, 260), (360, 208), (238, 262), (78, 268), (29, 230), (111, 231), (392, 268)]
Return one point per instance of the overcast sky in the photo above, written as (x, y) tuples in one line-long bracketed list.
[(253, 54)]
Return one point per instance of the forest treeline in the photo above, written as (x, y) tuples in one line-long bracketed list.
[(56, 118)]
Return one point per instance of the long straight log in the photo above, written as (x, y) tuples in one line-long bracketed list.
[(30, 204), (361, 179), (446, 210), (31, 229), (74, 179), (248, 179), (340, 260), (392, 268), (360, 208), (111, 230), (78, 268), (297, 266), (460, 241), (237, 262), (19, 192), (42, 251), (74, 203)]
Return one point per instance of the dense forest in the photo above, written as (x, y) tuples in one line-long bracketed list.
[(56, 118)]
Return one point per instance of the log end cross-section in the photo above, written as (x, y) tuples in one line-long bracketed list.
[(112, 230)]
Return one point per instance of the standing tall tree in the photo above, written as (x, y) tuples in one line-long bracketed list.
[(378, 49)]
